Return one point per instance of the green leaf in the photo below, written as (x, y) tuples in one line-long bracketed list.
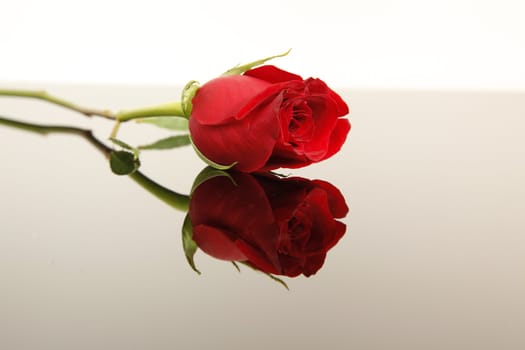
[(237, 70), (189, 245), (170, 123), (210, 162), (168, 143), (123, 162)]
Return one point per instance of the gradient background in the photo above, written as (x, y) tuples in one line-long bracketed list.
[(377, 43), (433, 173)]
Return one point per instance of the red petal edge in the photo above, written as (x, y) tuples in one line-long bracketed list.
[(272, 74)]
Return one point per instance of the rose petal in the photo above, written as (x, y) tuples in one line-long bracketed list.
[(274, 91), (324, 114), (323, 224), (338, 233), (220, 199), (217, 243), (248, 141), (336, 201), (272, 74), (284, 156), (318, 87), (292, 266), (221, 99), (284, 194), (239, 208), (313, 264), (338, 137), (260, 260), (342, 106)]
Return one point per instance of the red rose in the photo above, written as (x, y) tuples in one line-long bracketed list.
[(267, 118), (282, 226)]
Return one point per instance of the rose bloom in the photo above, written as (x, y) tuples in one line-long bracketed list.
[(267, 118), (281, 226)]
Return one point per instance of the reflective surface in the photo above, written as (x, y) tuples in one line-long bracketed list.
[(433, 257)]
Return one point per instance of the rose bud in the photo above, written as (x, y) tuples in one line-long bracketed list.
[(267, 118), (280, 226)]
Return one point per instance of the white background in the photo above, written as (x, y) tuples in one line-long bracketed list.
[(451, 44)]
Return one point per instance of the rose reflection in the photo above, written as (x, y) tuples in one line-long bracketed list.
[(280, 226)]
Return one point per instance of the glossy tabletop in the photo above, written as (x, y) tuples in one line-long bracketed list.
[(433, 256)]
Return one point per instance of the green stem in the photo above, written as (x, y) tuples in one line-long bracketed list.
[(44, 96), (173, 109), (173, 199), (42, 129), (114, 132), (168, 109)]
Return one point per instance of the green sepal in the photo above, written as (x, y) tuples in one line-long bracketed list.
[(123, 162), (188, 92), (189, 245), (238, 70), (170, 123), (168, 143), (273, 277), (210, 162), (278, 280)]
